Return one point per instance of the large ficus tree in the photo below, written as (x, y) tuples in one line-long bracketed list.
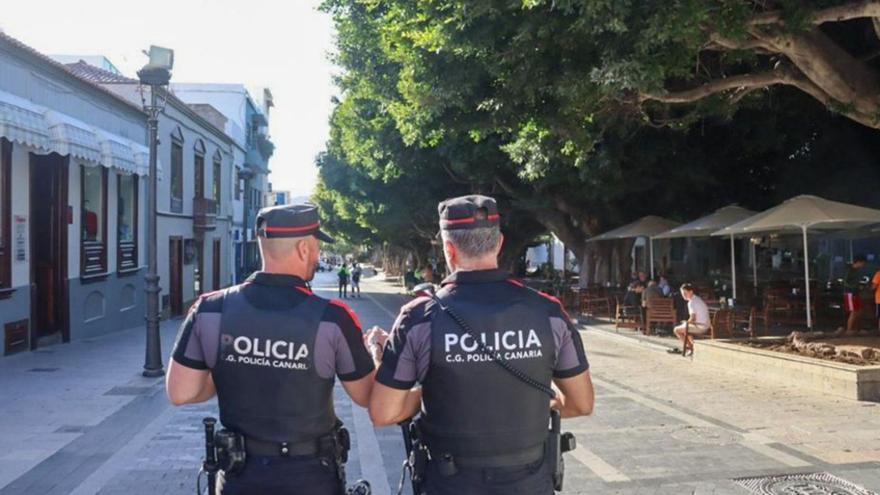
[(583, 114), (681, 52)]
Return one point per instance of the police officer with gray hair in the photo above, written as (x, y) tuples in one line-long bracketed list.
[(271, 350), (484, 427)]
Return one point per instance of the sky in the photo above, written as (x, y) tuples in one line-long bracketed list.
[(282, 45)]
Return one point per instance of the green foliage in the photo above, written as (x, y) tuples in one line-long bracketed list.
[(535, 102)]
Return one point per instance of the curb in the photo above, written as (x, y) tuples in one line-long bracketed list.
[(625, 339)]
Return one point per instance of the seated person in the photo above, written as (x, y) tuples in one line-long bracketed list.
[(651, 291), (663, 283), (698, 318), (633, 296)]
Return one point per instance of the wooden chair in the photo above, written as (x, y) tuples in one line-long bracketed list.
[(754, 316), (595, 302), (627, 316), (570, 298), (660, 310)]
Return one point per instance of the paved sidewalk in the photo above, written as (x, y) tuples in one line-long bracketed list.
[(78, 418)]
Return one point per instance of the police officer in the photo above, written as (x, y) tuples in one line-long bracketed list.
[(485, 429), (271, 349)]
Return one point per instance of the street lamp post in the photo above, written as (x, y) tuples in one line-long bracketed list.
[(156, 74), (245, 175)]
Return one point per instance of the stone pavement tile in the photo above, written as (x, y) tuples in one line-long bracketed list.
[(741, 403), (41, 413)]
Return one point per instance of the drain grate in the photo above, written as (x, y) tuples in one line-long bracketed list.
[(71, 429), (43, 370), (801, 484), (128, 391)]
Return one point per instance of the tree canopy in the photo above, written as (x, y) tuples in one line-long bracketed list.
[(583, 114)]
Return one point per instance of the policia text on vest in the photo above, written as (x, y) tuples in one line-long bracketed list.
[(273, 350), (484, 350), (557, 443)]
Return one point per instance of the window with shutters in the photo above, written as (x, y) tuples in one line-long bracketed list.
[(176, 176), (199, 175), (218, 184), (127, 222), (93, 223)]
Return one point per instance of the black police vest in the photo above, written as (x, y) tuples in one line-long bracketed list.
[(471, 406), (267, 385)]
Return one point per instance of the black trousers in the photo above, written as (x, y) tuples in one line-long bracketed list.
[(531, 479), (343, 288), (283, 476)]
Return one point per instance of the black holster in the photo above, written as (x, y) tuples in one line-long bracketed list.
[(416, 455), (334, 448), (558, 443), (231, 454)]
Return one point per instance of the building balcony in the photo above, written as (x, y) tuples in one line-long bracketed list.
[(204, 214)]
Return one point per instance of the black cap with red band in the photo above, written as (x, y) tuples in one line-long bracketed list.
[(468, 212), (290, 221)]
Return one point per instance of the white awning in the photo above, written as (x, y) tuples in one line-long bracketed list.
[(22, 122), (33, 125), (73, 137), (117, 153)]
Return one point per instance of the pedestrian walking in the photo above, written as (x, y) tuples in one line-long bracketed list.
[(270, 349), (485, 429), (356, 280), (343, 280), (852, 294)]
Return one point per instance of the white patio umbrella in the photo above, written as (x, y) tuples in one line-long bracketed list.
[(705, 226), (800, 214), (647, 227)]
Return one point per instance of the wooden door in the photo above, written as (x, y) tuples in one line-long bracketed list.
[(175, 271), (216, 262), (48, 248)]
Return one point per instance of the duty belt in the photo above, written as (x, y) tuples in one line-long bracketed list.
[(439, 447), (520, 458), (261, 448)]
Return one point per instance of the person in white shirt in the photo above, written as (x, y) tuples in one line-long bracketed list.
[(698, 319)]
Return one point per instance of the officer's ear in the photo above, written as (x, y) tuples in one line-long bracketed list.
[(302, 250), (500, 244), (450, 251)]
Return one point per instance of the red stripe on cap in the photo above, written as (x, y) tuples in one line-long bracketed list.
[(351, 313), (460, 220), (294, 229), (471, 219)]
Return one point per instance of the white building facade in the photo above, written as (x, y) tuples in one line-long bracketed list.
[(248, 126), (73, 166), (195, 208)]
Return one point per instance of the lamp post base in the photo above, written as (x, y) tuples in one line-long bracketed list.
[(153, 373)]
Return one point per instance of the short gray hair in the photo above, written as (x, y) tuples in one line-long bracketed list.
[(279, 248), (474, 243)]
